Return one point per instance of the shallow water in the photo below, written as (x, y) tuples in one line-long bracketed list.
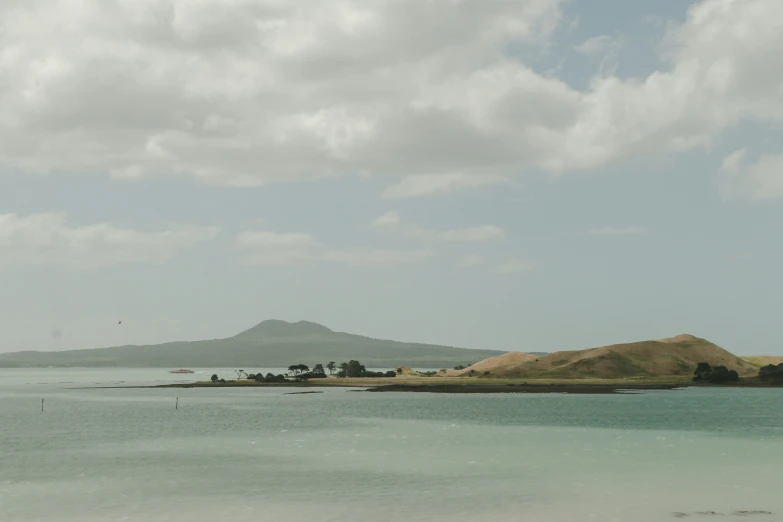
[(258, 454)]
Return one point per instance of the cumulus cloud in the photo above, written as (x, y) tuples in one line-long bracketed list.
[(245, 92), (392, 221), (762, 179), (268, 248), (513, 266), (49, 238), (616, 231)]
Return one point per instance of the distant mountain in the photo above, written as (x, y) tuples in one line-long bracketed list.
[(270, 344), (672, 357)]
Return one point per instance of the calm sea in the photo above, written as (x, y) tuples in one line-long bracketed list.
[(259, 454)]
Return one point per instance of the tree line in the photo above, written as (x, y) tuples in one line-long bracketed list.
[(302, 372), (770, 373), (716, 375), (352, 368)]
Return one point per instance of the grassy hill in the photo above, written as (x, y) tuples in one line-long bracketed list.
[(763, 360), (675, 357), (270, 344)]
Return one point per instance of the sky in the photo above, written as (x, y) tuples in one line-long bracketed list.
[(532, 175)]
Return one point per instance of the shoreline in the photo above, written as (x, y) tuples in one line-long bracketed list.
[(461, 386), (448, 388)]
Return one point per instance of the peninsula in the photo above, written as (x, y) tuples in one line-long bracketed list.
[(660, 364)]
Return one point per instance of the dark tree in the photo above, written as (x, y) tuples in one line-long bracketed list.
[(259, 377), (297, 369), (721, 374), (352, 369), (703, 372), (274, 378), (355, 369), (214, 378), (771, 373), (332, 366), (343, 370), (717, 375)]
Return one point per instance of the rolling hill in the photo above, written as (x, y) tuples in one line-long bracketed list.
[(675, 357), (763, 360), (270, 344)]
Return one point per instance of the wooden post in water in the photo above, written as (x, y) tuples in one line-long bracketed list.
[(176, 404), (42, 404)]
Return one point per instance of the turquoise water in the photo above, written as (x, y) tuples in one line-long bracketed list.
[(258, 454)]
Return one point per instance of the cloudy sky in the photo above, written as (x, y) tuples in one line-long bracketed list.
[(510, 174)]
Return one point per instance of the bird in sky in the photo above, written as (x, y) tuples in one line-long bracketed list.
[(120, 322)]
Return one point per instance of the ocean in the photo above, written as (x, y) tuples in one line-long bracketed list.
[(342, 455)]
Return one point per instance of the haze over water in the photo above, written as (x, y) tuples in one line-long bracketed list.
[(258, 454)]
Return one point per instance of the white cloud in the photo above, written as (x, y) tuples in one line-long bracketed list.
[(719, 75), (733, 162), (606, 46), (392, 221), (513, 266), (438, 185), (471, 261), (377, 257), (595, 45), (269, 248), (616, 231), (48, 238), (472, 234), (757, 181), (245, 92), (389, 219), (274, 248)]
